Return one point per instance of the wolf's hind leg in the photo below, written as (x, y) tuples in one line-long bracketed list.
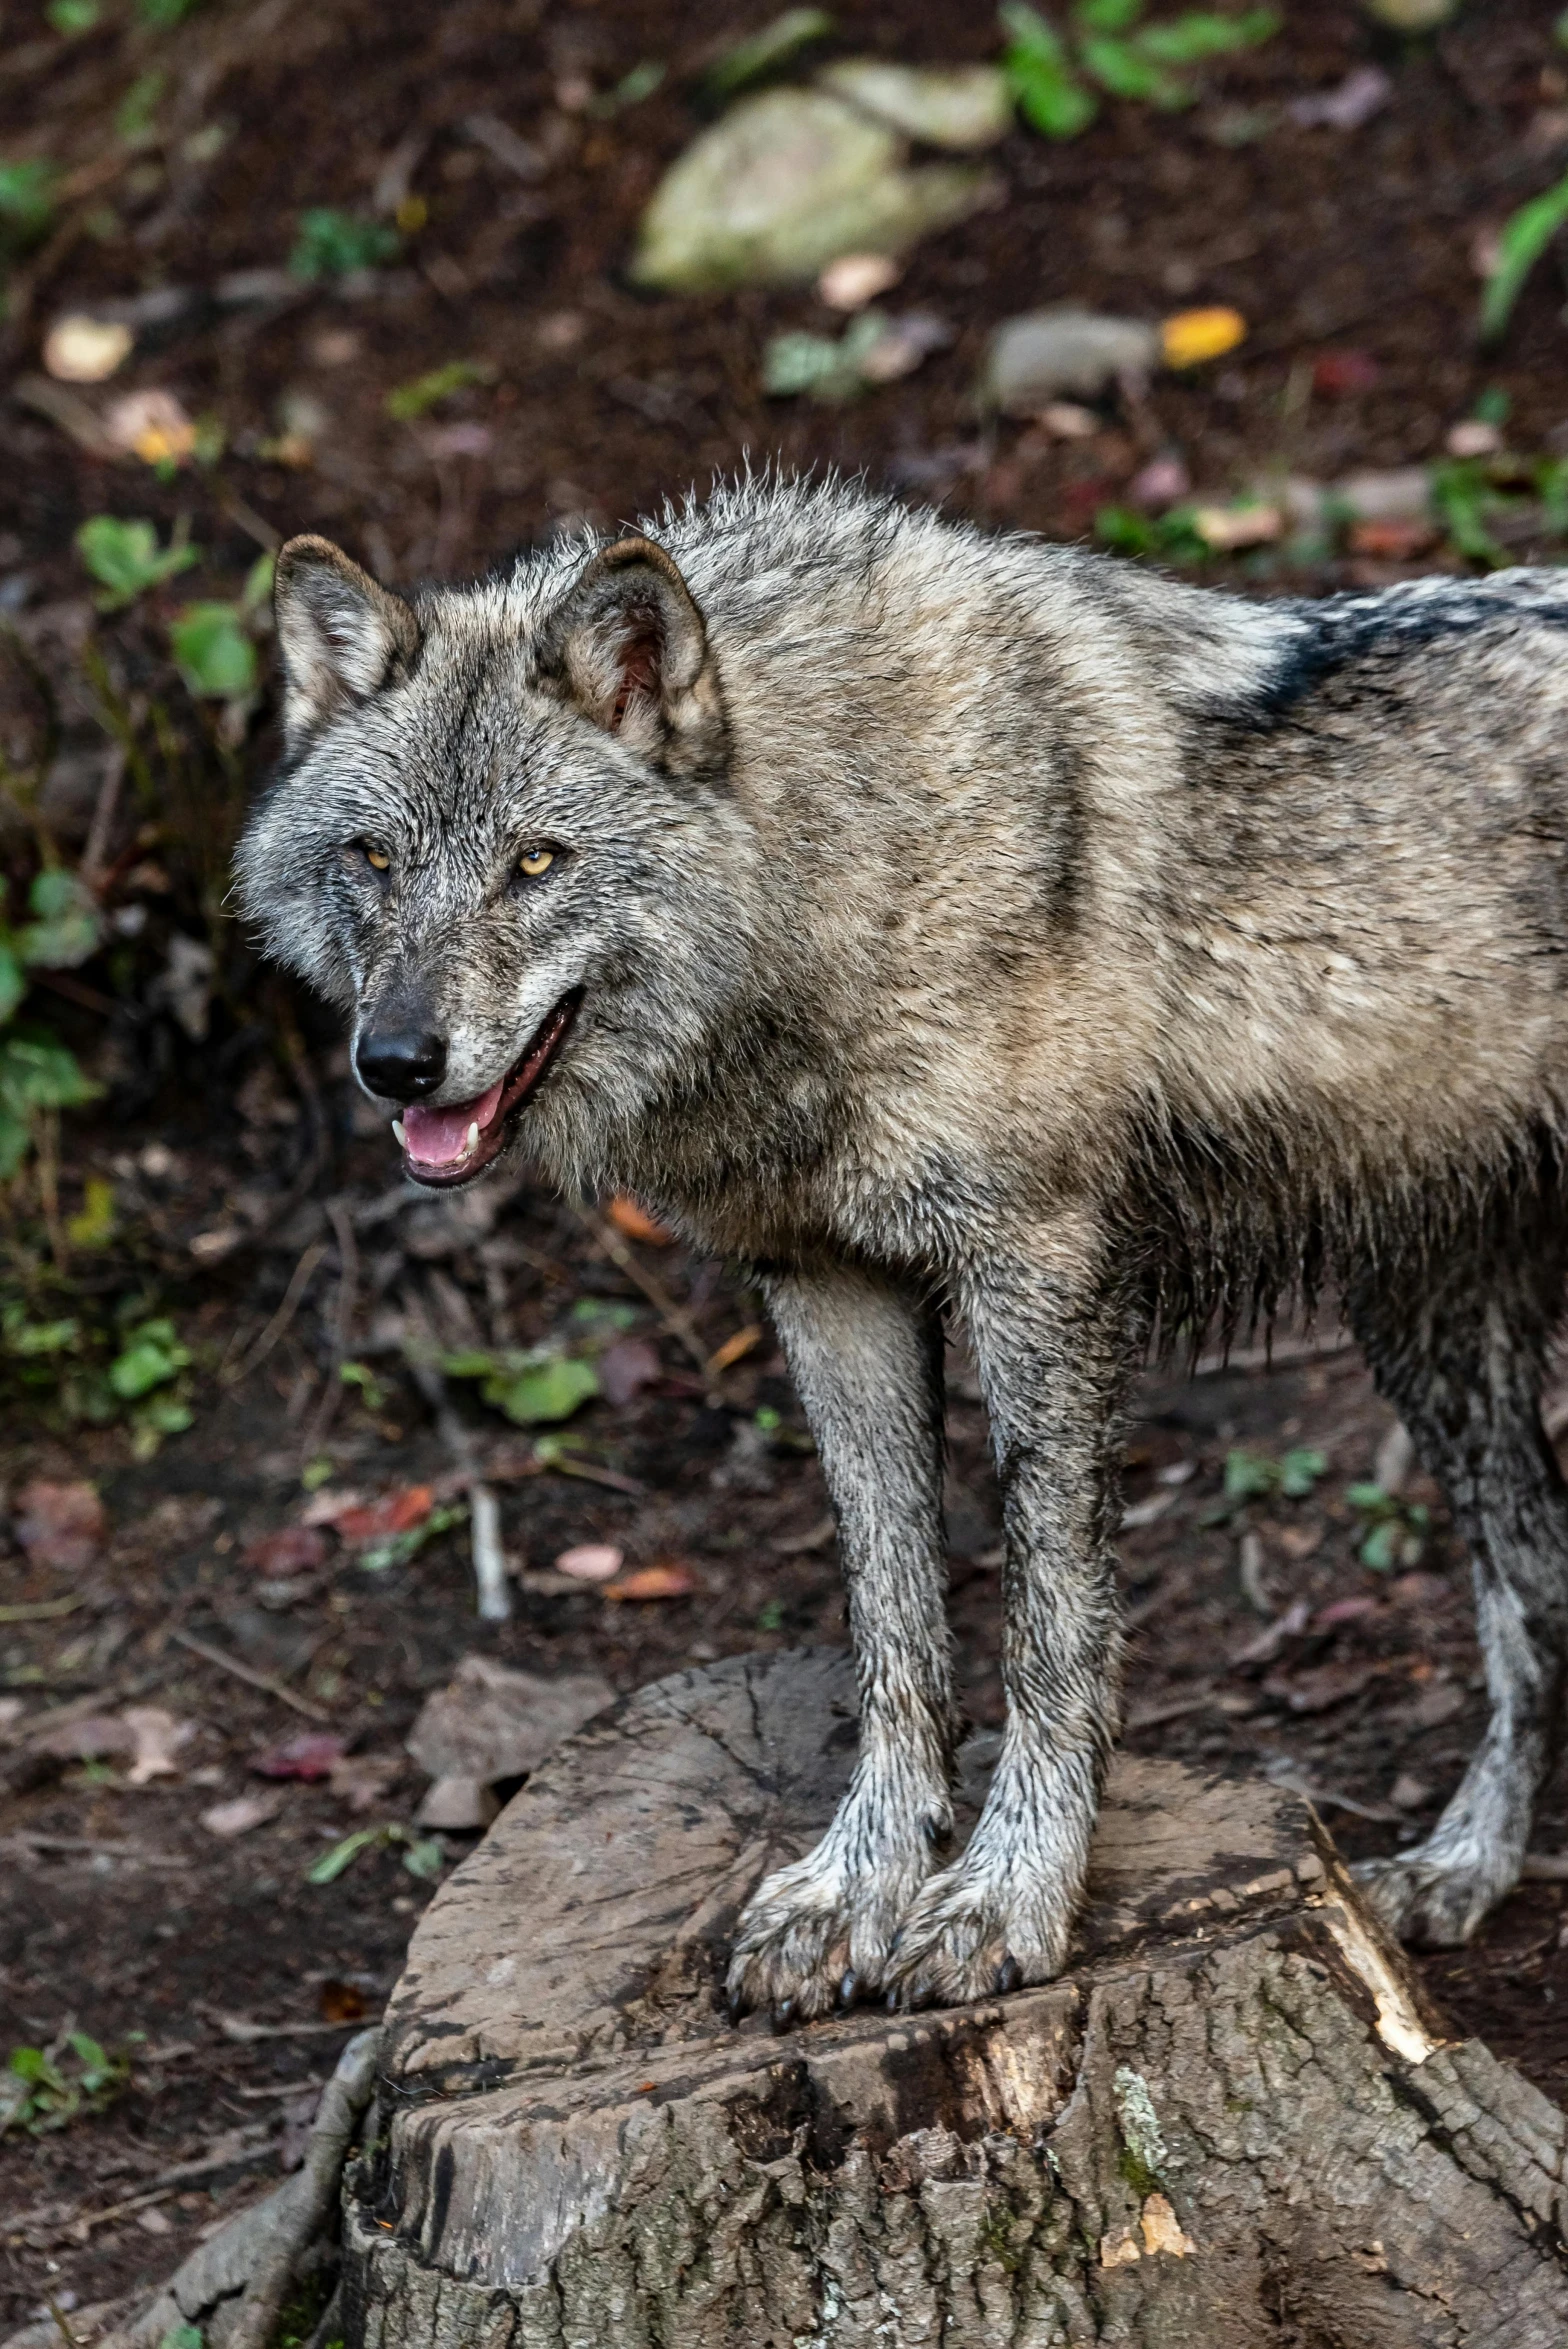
[(866, 1361), (1458, 1345)]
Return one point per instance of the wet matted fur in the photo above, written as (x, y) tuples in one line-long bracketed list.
[(944, 923)]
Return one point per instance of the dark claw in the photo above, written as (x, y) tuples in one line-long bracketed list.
[(733, 2005), (1009, 1976), (783, 2014), (847, 1988), (892, 2000)]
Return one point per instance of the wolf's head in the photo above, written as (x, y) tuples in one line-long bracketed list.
[(503, 840)]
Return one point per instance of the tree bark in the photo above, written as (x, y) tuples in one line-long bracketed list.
[(1232, 2123)]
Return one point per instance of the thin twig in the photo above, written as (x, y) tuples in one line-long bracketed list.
[(96, 853), (299, 1282), (676, 1320), (484, 1511), (249, 1674), (343, 1323)]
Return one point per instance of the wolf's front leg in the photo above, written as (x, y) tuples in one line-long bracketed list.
[(866, 1360), (1054, 1339)]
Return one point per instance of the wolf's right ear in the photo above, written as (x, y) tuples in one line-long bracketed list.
[(340, 633)]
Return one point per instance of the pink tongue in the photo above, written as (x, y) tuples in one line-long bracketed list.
[(438, 1137)]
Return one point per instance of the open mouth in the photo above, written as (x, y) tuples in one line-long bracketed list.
[(443, 1147)]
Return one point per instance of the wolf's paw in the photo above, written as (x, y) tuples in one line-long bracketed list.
[(965, 1938), (1430, 1900), (812, 1939)]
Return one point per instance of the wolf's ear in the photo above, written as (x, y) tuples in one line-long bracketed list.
[(341, 635), (629, 647)]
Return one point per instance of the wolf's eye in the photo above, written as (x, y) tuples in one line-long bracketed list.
[(377, 858), (536, 860)]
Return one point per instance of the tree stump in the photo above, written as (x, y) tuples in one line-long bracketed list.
[(1232, 2123)]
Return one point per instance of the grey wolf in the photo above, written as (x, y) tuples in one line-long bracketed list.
[(949, 924)]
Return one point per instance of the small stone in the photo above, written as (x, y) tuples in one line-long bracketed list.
[(79, 349), (966, 107), (1409, 1793), (1046, 354), (785, 183), (1067, 421), (460, 1804), (1162, 483), (1473, 438), (855, 279)]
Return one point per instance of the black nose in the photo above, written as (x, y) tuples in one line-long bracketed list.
[(400, 1063)]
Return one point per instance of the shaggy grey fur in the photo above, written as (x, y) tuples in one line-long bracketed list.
[(947, 923)]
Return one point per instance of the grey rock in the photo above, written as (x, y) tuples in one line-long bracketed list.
[(966, 107), (784, 184), (1048, 354)]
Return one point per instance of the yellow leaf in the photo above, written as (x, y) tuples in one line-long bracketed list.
[(94, 1225), (1192, 336)]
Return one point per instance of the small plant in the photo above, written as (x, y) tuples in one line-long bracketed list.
[(537, 1388), (71, 18), (412, 400), (126, 559), (27, 203), (331, 243), (422, 1855), (1524, 238), (44, 2088), (1257, 1476), (1054, 77), (1394, 1531), (1166, 538)]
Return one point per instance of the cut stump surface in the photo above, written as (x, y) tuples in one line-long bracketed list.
[(1231, 2123)]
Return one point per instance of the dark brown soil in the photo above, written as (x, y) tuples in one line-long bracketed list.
[(134, 1917)]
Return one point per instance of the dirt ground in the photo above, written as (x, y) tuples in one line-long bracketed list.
[(1260, 1641)]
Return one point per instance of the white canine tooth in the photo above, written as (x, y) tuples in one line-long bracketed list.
[(397, 1128), (473, 1135)]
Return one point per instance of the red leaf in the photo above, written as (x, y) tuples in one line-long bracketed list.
[(393, 1513), (308, 1756), (1342, 373)]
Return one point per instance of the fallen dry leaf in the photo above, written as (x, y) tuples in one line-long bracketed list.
[(331, 1503), (243, 1813), (653, 1582), (87, 1739), (342, 2002), (361, 1780), (1192, 336), (1344, 1611), (1341, 374), (151, 425), (636, 1223), (1391, 542), (315, 1753), (1328, 1685), (591, 1562), (393, 1513), (60, 1525), (156, 1738), (293, 1549)]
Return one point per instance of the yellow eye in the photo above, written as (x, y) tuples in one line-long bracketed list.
[(535, 861), (377, 858)]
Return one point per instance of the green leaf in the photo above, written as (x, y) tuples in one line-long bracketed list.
[(331, 1864), (152, 1356), (214, 655), (31, 2063), (126, 559), (1248, 1475), (13, 980), (162, 14), (1119, 69), (1370, 1498), (424, 1859), (549, 1392), (332, 243), (69, 928), (1107, 16), (763, 53), (134, 117), (32, 1338), (1380, 1550), (1299, 1471), (26, 200), (71, 17), (1039, 73), (14, 1138), (468, 1362), (1202, 33), (182, 2337), (413, 400), (37, 1073), (1525, 237), (93, 1224)]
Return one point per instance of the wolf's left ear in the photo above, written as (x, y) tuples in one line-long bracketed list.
[(629, 647), (341, 635)]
